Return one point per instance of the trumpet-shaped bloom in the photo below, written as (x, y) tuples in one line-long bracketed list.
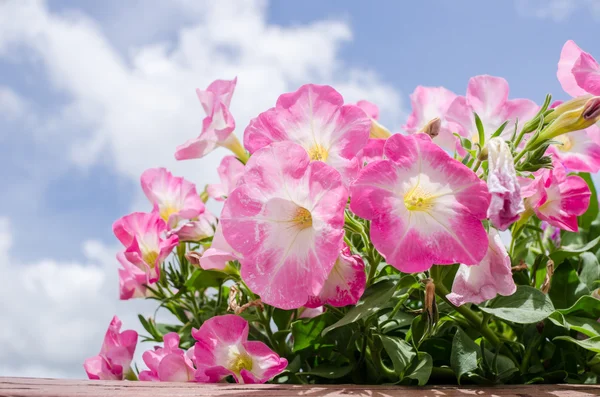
[(230, 170), (345, 283), (316, 118), (555, 197), (219, 253), (143, 235), (218, 124), (503, 185), (174, 198), (488, 97), (223, 349), (481, 282), (579, 150), (424, 206), (429, 103), (115, 355), (578, 72), (286, 218), (133, 280), (168, 363), (196, 230)]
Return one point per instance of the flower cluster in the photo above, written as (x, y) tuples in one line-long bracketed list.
[(342, 245)]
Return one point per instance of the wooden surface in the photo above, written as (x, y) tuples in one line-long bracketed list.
[(22, 387)]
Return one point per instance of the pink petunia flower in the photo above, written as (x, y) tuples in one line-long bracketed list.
[(345, 284), (219, 253), (174, 198), (481, 282), (555, 197), (310, 312), (506, 204), (133, 280), (316, 118), (168, 363), (223, 349), (115, 355), (286, 218), (424, 206), (578, 72), (488, 97), (372, 151), (143, 235), (196, 230), (230, 170)]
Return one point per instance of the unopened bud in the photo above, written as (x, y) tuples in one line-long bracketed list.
[(433, 127), (576, 114), (591, 110), (194, 258), (545, 288), (378, 130)]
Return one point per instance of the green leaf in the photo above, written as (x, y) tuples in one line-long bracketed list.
[(307, 332), (585, 220), (591, 344), (572, 250), (587, 306), (590, 270), (586, 326), (401, 320), (202, 279), (439, 349), (565, 287), (282, 318), (464, 142), (480, 131), (376, 297), (400, 352), (328, 371), (422, 370), (464, 354), (500, 129), (527, 305)]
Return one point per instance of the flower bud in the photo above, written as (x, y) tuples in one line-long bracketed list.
[(576, 114), (378, 130), (591, 110), (433, 127)]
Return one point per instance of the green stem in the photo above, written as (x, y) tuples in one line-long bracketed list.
[(378, 362), (477, 165)]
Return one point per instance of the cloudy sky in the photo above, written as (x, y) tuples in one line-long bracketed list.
[(93, 93)]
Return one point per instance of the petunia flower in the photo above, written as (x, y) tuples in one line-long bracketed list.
[(555, 197), (168, 363), (143, 235), (230, 170), (133, 280), (372, 151), (197, 229), (506, 204), (113, 362), (481, 282), (286, 218), (316, 118), (219, 254), (424, 206), (345, 284), (223, 349), (578, 72), (174, 198)]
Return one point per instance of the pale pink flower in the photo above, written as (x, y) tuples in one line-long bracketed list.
[(488, 97), (168, 363), (115, 355), (196, 230), (310, 312), (230, 170), (316, 118), (369, 108), (144, 237), (578, 72), (174, 198), (217, 126), (481, 282), (223, 349), (219, 253), (345, 284), (425, 207), (286, 218), (133, 280), (503, 185), (429, 103), (555, 197)]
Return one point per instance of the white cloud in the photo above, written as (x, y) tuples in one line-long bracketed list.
[(11, 104), (556, 10)]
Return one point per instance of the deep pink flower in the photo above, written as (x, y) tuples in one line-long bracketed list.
[(217, 126), (578, 72), (488, 97), (372, 151), (230, 170), (174, 198), (579, 150), (345, 284), (219, 253), (133, 280), (168, 363), (286, 218), (506, 204), (429, 103), (316, 118), (115, 355), (481, 282), (424, 206), (223, 349), (196, 230), (555, 197)]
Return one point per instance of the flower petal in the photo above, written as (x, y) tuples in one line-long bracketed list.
[(569, 55)]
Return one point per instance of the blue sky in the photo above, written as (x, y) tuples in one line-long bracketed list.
[(92, 93)]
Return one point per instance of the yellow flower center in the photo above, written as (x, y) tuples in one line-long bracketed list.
[(418, 200), (565, 142), (150, 257), (302, 218), (318, 152), (241, 361), (167, 211)]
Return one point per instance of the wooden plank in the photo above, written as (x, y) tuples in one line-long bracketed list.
[(27, 387)]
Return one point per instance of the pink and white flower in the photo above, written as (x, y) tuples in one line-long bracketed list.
[(345, 284), (503, 185), (196, 230), (115, 355), (488, 97), (174, 198), (578, 72), (372, 151), (230, 170), (223, 349), (316, 118), (481, 282), (310, 312), (555, 197), (133, 280), (579, 150), (168, 363), (219, 253), (286, 218), (424, 206), (429, 103), (143, 235)]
